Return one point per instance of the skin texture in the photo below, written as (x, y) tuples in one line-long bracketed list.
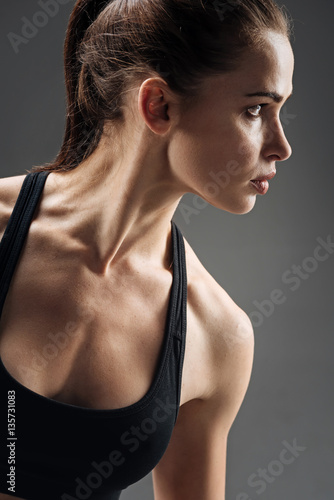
[(227, 133), (223, 141), (110, 217)]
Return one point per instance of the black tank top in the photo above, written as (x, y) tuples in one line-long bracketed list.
[(51, 450)]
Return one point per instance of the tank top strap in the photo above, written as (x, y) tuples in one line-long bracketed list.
[(181, 287), (18, 227), (179, 315)]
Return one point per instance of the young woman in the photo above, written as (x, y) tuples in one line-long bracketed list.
[(120, 353)]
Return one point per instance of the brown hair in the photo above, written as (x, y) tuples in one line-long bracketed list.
[(110, 45)]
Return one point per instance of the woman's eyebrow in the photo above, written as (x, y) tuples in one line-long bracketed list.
[(273, 95)]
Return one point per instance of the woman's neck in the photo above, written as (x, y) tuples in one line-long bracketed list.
[(119, 207)]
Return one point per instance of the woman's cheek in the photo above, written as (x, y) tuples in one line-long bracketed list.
[(248, 153)]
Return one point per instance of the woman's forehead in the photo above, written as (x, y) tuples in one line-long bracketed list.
[(268, 69)]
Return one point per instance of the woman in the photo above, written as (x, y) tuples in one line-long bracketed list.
[(120, 353)]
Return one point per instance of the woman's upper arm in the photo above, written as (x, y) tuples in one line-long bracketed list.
[(194, 464), (9, 191)]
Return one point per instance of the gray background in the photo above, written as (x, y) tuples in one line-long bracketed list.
[(290, 393)]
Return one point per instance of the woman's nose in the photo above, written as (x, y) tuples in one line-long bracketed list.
[(276, 143)]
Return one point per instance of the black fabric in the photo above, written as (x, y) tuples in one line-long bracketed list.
[(66, 452)]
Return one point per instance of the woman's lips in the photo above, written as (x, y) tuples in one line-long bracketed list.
[(261, 186), (261, 183)]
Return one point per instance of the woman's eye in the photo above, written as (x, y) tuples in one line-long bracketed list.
[(255, 111)]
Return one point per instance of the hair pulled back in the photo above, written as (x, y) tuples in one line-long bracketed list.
[(109, 45)]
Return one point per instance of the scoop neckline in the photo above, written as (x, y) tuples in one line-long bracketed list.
[(163, 357)]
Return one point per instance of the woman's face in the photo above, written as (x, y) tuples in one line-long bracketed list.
[(229, 138)]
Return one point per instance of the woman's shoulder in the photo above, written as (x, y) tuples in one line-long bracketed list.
[(225, 332), (9, 191), (224, 322)]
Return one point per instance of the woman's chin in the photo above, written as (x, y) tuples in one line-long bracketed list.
[(238, 207)]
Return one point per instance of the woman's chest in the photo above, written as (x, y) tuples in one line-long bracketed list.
[(93, 342)]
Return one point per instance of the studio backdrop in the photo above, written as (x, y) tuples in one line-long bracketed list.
[(276, 262)]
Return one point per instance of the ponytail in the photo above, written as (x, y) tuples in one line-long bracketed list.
[(82, 134)]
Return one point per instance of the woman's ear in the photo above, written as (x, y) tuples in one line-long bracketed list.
[(154, 105)]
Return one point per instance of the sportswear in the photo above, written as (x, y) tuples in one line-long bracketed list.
[(57, 451)]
